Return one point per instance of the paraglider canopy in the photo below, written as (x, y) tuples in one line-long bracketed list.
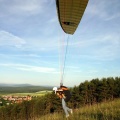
[(70, 13)]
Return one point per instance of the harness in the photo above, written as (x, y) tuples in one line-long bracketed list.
[(63, 92)]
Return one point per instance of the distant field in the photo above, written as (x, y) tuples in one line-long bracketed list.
[(28, 90), (39, 93), (23, 89)]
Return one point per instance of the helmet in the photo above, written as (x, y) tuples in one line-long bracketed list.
[(55, 89)]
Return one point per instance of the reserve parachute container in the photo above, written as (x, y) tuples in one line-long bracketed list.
[(70, 13)]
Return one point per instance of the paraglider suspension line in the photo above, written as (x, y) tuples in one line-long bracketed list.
[(64, 64)]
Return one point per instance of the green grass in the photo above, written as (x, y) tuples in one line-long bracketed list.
[(39, 93), (22, 89), (102, 111)]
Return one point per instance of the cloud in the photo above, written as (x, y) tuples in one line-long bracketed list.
[(21, 7), (21, 55), (30, 68), (8, 39), (102, 9), (35, 44), (53, 20), (100, 47), (43, 44), (117, 15)]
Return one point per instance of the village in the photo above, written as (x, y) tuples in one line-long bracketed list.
[(11, 99)]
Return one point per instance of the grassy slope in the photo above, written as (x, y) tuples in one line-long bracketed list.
[(103, 111)]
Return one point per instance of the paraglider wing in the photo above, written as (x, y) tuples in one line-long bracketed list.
[(70, 13)]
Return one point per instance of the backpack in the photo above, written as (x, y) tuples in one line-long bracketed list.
[(66, 93)]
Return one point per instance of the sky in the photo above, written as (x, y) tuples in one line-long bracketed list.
[(32, 43)]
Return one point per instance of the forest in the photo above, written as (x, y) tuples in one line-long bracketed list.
[(87, 93)]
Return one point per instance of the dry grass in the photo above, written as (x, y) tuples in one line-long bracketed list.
[(102, 111)]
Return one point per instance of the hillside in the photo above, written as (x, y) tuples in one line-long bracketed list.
[(102, 111), (89, 101)]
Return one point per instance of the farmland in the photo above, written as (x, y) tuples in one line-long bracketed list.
[(17, 94), (24, 90)]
